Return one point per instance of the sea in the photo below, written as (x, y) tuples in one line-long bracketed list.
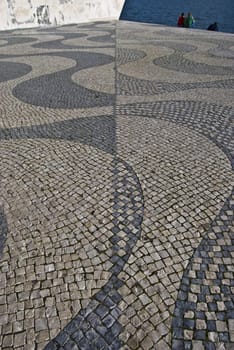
[(166, 12)]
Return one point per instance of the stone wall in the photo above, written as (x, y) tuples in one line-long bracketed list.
[(32, 13)]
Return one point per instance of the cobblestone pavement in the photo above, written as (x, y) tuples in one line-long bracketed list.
[(116, 210)]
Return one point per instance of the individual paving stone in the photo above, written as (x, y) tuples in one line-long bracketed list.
[(231, 329)]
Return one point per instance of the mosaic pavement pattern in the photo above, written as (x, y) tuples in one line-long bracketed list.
[(116, 209)]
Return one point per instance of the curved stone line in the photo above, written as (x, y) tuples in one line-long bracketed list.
[(103, 38), (200, 281), (57, 90), (57, 43), (97, 326), (225, 53), (130, 86), (98, 132), (221, 46), (13, 70), (211, 288), (177, 62), (165, 32), (55, 29), (3, 229), (17, 40), (7, 56), (222, 50), (128, 55), (6, 31), (194, 37), (98, 23), (213, 121), (95, 25), (178, 47), (75, 49)]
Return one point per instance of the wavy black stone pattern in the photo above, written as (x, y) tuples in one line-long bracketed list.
[(57, 43), (178, 47), (75, 35), (11, 70), (211, 294), (17, 40), (130, 86), (108, 38), (100, 25), (215, 298), (97, 326), (98, 132), (224, 49), (90, 26), (7, 31), (56, 30), (224, 53), (128, 55), (177, 62), (57, 90), (211, 120)]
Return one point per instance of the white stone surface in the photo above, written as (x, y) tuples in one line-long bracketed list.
[(33, 13)]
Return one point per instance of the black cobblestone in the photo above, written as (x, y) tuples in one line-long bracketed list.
[(145, 263), (10, 70)]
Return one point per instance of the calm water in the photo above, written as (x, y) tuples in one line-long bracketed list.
[(167, 11)]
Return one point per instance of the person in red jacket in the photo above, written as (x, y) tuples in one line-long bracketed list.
[(180, 22)]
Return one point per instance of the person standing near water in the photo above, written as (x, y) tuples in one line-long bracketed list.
[(189, 20), (213, 26), (180, 22)]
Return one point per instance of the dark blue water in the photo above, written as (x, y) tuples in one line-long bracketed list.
[(166, 12)]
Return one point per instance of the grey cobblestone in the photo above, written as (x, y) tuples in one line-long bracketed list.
[(116, 210)]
